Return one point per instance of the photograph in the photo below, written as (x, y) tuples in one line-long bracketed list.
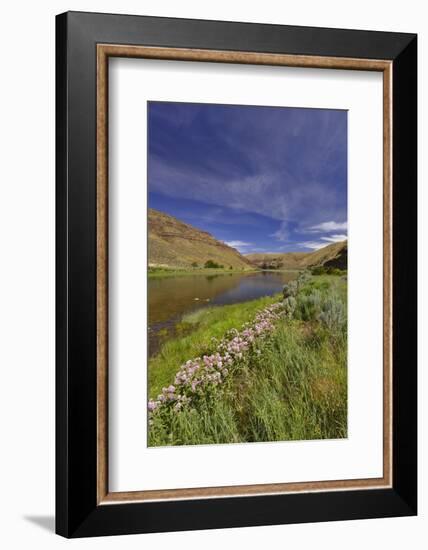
[(247, 244)]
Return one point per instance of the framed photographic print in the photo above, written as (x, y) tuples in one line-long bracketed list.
[(236, 274)]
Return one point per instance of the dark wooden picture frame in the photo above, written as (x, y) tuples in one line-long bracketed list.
[(84, 505)]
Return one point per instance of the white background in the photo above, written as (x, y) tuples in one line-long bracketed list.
[(27, 273), (132, 83)]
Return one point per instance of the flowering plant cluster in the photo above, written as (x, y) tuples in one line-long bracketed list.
[(198, 377)]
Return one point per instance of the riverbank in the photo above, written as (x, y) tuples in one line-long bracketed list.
[(159, 272), (289, 382), (172, 298)]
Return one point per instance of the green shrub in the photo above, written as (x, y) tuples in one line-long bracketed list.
[(290, 289), (303, 278), (321, 285), (309, 306), (326, 270), (290, 304), (333, 313), (210, 264), (326, 307)]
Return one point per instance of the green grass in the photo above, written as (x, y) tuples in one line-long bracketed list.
[(329, 284), (293, 386), (208, 323), (297, 389), (160, 272)]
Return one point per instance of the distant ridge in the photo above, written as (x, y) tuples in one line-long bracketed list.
[(332, 255), (175, 244)]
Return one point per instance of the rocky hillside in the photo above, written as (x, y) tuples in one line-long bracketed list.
[(332, 255), (175, 244)]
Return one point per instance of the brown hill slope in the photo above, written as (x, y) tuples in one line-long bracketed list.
[(332, 255), (173, 243)]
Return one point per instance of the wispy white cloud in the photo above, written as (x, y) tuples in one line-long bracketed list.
[(282, 233), (325, 241), (325, 227), (313, 245), (238, 243), (242, 246), (335, 238)]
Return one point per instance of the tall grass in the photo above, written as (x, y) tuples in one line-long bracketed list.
[(292, 385)]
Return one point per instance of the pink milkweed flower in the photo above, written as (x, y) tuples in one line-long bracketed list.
[(211, 369), (151, 405)]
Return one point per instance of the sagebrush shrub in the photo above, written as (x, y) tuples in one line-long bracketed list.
[(290, 289), (290, 304), (303, 278), (333, 313), (309, 306)]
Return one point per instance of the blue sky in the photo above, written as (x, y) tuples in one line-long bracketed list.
[(262, 179)]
